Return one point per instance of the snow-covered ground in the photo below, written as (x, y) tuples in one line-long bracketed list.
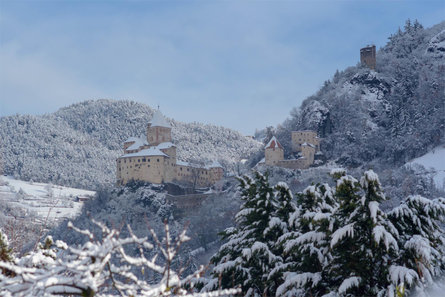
[(45, 200), (434, 162)]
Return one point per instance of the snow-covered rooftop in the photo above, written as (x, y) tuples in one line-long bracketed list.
[(273, 143), (182, 163), (159, 120), (152, 151), (215, 164), (165, 145), (138, 142), (131, 139), (308, 144)]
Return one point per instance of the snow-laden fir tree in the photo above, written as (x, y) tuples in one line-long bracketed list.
[(278, 230), (247, 257), (422, 241), (306, 247), (363, 241)]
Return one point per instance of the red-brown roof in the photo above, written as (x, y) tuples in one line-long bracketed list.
[(274, 143)]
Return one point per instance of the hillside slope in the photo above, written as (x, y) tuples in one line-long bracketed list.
[(78, 144), (386, 117)]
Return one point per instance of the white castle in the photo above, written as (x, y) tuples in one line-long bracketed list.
[(154, 159)]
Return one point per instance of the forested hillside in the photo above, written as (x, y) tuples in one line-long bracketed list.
[(384, 117), (78, 144)]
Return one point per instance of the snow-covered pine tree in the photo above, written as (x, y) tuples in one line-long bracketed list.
[(5, 253), (363, 242), (247, 258), (306, 249), (278, 230), (422, 240)]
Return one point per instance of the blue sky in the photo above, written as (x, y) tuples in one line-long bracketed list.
[(240, 64)]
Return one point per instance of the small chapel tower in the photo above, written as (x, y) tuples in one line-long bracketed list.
[(158, 130), (274, 152)]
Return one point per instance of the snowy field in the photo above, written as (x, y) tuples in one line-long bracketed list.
[(434, 162), (45, 200)]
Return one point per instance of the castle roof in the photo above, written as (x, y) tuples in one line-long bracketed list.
[(158, 120), (138, 142), (165, 145), (273, 143), (149, 152), (308, 144), (215, 164), (131, 139)]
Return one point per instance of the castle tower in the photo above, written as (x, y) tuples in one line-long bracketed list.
[(367, 56), (305, 136), (274, 152), (308, 152), (158, 130)]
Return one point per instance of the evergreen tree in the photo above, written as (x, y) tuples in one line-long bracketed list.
[(247, 258), (307, 246), (422, 240), (363, 242), (5, 253)]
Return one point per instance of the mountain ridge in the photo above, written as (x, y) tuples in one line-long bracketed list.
[(78, 144)]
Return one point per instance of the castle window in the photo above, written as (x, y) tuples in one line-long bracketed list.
[(139, 160), (143, 160), (181, 168), (148, 160), (125, 161), (187, 169), (158, 160)]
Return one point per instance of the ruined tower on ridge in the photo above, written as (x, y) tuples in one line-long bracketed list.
[(367, 56)]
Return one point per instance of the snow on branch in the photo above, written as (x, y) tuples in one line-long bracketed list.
[(379, 233), (347, 230), (348, 283), (102, 268)]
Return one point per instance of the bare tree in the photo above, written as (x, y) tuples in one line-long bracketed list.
[(101, 267)]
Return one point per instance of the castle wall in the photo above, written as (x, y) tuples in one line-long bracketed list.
[(300, 137), (216, 174), (150, 169), (308, 153), (202, 176), (170, 164), (293, 164), (273, 155)]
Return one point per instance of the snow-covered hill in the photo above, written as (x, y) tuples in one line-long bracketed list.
[(46, 201), (383, 118), (434, 162), (78, 145)]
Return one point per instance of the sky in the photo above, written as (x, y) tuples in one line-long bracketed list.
[(239, 64)]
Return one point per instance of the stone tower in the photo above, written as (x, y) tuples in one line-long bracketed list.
[(158, 130), (274, 152), (367, 56)]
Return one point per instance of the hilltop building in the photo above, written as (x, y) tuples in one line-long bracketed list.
[(306, 142), (154, 159), (368, 56)]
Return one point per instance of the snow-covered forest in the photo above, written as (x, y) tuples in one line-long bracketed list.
[(329, 240), (78, 145), (272, 232), (385, 117)]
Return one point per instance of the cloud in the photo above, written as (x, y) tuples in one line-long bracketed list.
[(237, 64)]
